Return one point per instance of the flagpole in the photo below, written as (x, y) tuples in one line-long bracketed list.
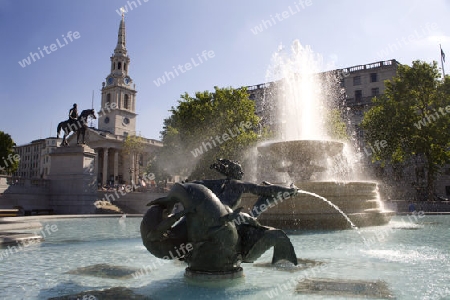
[(442, 60), (92, 122)]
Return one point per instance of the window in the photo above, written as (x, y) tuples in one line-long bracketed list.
[(119, 65), (373, 77), (108, 98), (359, 133), (125, 101), (358, 95), (375, 92), (125, 66), (357, 80), (358, 112)]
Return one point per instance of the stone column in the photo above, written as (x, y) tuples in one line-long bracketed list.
[(105, 166), (96, 170), (116, 166), (132, 170)]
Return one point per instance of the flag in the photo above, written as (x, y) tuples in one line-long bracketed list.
[(442, 55)]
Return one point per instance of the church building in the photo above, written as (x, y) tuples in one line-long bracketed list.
[(116, 121)]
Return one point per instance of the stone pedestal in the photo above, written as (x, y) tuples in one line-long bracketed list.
[(3, 183), (73, 188)]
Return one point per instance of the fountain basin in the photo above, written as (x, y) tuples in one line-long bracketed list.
[(337, 260), (358, 200)]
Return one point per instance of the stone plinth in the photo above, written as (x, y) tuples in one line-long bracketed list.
[(3, 183), (73, 188)]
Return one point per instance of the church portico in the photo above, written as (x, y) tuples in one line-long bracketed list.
[(109, 162)]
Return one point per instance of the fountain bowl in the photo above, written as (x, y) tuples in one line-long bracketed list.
[(304, 149), (298, 158)]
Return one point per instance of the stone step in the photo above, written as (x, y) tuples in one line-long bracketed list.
[(14, 238), (10, 212)]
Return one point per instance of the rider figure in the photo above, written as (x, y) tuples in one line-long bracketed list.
[(73, 114)]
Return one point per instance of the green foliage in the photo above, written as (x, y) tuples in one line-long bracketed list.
[(207, 122), (335, 126), (133, 144), (154, 167), (8, 165), (412, 117), (134, 147)]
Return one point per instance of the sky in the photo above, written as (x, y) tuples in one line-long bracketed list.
[(240, 36)]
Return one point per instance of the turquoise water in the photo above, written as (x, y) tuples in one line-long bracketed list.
[(410, 256)]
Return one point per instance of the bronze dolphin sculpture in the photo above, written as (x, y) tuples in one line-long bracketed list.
[(219, 242)]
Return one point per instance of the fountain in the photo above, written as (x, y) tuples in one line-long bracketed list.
[(305, 155)]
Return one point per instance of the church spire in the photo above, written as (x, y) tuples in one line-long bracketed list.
[(120, 48), (119, 89)]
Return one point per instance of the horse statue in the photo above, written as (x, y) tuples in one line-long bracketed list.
[(79, 126)]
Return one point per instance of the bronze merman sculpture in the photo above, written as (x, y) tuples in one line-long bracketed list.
[(221, 236)]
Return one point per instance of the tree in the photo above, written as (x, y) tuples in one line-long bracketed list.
[(205, 127), (335, 126), (9, 160), (155, 168), (134, 147), (412, 117)]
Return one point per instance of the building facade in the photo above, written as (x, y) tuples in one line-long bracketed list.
[(361, 84), (35, 158)]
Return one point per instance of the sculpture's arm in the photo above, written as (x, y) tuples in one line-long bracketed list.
[(265, 190), (268, 195), (159, 232)]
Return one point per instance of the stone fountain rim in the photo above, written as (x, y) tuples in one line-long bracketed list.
[(351, 182), (299, 141)]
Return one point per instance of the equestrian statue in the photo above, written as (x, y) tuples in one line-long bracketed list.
[(75, 123)]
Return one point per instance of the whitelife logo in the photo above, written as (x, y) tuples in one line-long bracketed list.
[(48, 50)]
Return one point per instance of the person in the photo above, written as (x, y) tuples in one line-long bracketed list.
[(73, 113)]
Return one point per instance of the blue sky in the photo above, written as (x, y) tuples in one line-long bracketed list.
[(162, 34)]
